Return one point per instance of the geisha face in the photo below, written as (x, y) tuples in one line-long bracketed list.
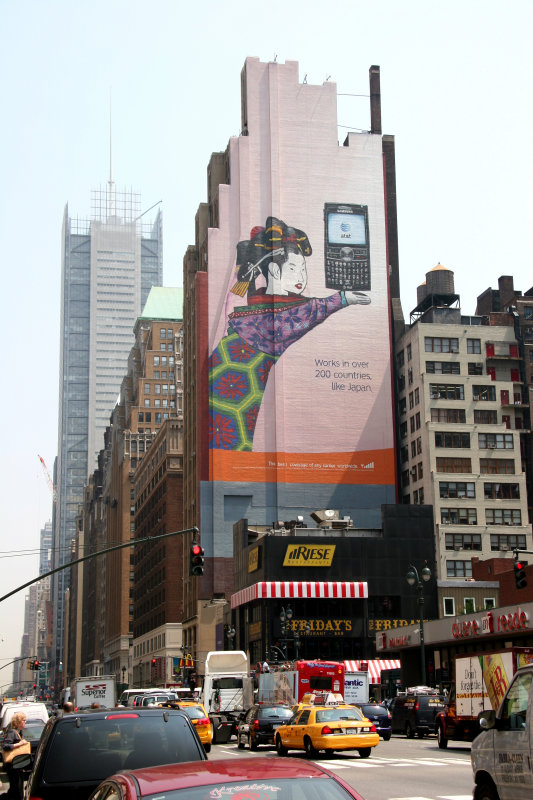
[(291, 277)]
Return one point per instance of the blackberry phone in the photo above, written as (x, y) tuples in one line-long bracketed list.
[(346, 247)]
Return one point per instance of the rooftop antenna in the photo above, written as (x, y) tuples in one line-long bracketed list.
[(111, 210)]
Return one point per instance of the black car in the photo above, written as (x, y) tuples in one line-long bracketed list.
[(415, 713), (81, 749), (260, 722), (380, 716)]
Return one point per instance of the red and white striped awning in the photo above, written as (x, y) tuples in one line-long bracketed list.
[(375, 667), (289, 589)]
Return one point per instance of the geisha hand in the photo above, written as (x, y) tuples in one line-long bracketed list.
[(357, 298)]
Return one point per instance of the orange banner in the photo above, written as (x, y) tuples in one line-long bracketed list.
[(371, 467)]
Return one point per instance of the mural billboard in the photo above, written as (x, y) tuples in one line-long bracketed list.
[(299, 331)]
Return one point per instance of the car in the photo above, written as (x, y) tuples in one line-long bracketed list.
[(31, 710), (81, 749), (263, 777), (328, 728), (199, 718), (258, 725), (380, 716), (414, 713), (33, 730), (153, 699)]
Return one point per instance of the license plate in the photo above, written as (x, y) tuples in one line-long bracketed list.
[(350, 730)]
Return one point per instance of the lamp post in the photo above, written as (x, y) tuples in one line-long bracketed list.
[(230, 635), (414, 579), (285, 617), (123, 676)]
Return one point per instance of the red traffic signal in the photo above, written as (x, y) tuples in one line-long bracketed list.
[(520, 578), (154, 661), (35, 665), (196, 564)]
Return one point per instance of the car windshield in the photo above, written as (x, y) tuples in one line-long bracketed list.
[(193, 712), (88, 748), (375, 711), (276, 711), (332, 714), (266, 788)]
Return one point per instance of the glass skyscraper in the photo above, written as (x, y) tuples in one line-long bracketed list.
[(109, 264)]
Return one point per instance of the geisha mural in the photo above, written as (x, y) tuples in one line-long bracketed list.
[(271, 272)]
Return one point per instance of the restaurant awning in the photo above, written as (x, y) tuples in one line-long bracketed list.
[(287, 590), (375, 667)]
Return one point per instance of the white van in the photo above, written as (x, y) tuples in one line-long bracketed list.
[(33, 711), (502, 754)]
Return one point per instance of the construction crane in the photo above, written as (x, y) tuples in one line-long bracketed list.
[(48, 478)]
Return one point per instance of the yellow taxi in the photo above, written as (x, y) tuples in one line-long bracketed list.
[(329, 727), (198, 716)]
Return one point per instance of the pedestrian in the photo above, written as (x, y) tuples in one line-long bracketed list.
[(95, 705), (14, 741), (68, 707)]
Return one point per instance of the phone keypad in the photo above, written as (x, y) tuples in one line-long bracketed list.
[(349, 275)]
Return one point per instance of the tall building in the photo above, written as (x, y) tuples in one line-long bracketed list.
[(288, 288), (109, 264), (462, 414)]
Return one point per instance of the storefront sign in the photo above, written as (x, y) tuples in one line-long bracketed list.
[(253, 559), (322, 627), (389, 624), (302, 555), (254, 631), (491, 623)]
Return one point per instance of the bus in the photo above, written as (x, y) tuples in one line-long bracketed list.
[(319, 676)]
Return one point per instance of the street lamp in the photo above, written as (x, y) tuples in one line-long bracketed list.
[(230, 633), (414, 579), (285, 616)]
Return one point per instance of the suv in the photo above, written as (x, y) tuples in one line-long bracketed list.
[(380, 716), (81, 749), (259, 724), (415, 713)]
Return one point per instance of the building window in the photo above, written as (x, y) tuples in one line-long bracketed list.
[(421, 496), (419, 445), (140, 416), (496, 466), (486, 393), (501, 491), (400, 359), (451, 439), (405, 477), (156, 374), (458, 516), (417, 396), (163, 346), (157, 403), (156, 361), (473, 345), (458, 489), (443, 367), (435, 344), (485, 416), (412, 424), (404, 454), (411, 402), (528, 312), (157, 417), (157, 388), (469, 605), (409, 352), (498, 441), (147, 403), (403, 405), (463, 541), (448, 606), (403, 430), (420, 470), (475, 368), (503, 516), (446, 391), (488, 603), (454, 464), (164, 388), (450, 415), (507, 541), (163, 333), (459, 569), (401, 382), (148, 416), (410, 376)]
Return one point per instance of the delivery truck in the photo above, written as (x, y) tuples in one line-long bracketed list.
[(227, 690), (480, 684), (99, 689)]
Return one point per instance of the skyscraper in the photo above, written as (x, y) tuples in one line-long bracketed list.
[(109, 264)]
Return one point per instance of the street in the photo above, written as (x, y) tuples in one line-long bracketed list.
[(401, 769)]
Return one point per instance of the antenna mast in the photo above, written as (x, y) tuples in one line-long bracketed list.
[(111, 210)]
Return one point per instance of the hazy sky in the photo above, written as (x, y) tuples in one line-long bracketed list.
[(456, 93)]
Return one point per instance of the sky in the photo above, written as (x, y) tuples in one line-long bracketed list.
[(456, 94)]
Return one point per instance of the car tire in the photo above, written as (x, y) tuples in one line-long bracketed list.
[(420, 734), (409, 731), (280, 747), (207, 748), (441, 738), (240, 743), (364, 752), (310, 751), (486, 791), (329, 753), (252, 743), (386, 737)]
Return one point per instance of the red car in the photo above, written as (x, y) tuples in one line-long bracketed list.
[(258, 778)]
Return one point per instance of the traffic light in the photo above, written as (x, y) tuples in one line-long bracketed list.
[(196, 560), (36, 666), (519, 574)]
